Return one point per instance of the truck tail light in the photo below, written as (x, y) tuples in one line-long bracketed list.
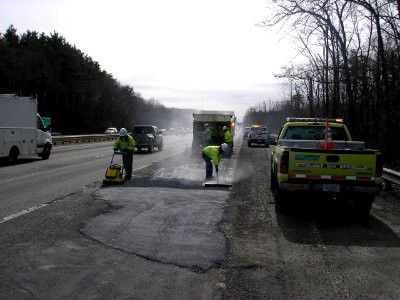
[(379, 165), (284, 163)]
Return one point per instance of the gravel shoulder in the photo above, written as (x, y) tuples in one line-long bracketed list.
[(314, 251)]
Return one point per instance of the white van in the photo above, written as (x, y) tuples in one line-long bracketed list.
[(22, 131)]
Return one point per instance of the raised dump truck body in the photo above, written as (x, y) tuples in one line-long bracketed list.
[(216, 120)]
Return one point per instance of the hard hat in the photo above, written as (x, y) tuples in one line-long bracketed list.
[(224, 128), (206, 125), (224, 147), (123, 132)]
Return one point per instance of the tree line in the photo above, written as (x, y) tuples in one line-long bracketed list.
[(72, 89), (350, 67)]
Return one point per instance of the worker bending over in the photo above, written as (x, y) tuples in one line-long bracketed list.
[(213, 154), (126, 144)]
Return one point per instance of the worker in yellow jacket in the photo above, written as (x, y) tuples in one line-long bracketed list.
[(229, 140), (126, 144), (213, 154), (206, 135)]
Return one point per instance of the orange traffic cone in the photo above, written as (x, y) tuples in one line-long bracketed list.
[(328, 144)]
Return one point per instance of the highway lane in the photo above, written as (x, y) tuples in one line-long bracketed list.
[(34, 182)]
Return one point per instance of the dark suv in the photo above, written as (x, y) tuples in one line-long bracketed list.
[(147, 136)]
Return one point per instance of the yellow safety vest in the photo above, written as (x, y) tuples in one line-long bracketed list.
[(207, 134), (212, 152), (228, 137), (129, 144)]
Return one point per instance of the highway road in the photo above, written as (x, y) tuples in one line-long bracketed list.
[(34, 182), (163, 235)]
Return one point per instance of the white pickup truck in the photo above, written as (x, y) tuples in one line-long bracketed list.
[(259, 135)]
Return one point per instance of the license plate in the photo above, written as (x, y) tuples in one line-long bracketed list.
[(331, 188)]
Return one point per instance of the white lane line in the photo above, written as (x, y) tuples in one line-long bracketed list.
[(23, 212)]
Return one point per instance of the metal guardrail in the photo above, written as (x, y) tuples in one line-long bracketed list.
[(80, 139), (390, 177)]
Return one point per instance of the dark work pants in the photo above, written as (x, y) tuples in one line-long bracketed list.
[(127, 159), (209, 166), (230, 149)]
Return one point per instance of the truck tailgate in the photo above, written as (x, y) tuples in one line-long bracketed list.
[(333, 164)]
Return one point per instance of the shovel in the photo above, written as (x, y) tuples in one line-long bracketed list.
[(217, 184)]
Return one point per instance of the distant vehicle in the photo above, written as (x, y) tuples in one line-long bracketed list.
[(246, 132), (148, 136), (216, 120), (111, 130), (273, 138), (22, 131), (258, 135)]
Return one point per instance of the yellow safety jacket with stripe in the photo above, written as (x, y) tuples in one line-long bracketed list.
[(128, 144), (228, 137), (213, 153)]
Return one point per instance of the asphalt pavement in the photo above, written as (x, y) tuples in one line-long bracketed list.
[(163, 235)]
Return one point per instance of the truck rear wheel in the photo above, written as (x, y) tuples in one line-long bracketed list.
[(362, 207), (281, 200), (13, 156), (273, 181)]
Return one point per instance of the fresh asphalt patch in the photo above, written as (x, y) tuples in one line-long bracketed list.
[(174, 226), (164, 214)]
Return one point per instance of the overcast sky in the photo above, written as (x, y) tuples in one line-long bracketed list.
[(200, 54)]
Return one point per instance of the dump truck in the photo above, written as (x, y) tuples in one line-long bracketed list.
[(22, 131), (318, 157), (216, 120)]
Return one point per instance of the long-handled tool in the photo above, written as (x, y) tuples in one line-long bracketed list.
[(217, 184)]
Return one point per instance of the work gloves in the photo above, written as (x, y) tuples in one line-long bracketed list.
[(123, 151)]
